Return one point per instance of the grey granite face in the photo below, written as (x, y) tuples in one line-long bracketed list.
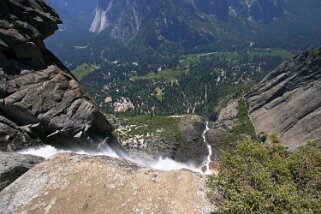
[(13, 165), (288, 102)]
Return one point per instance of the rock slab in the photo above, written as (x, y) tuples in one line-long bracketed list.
[(288, 103), (71, 183), (13, 165)]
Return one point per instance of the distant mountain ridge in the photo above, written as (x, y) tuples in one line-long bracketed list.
[(200, 22), (167, 28)]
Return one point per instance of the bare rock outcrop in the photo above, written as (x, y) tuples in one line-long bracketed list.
[(288, 103), (40, 101), (81, 184), (193, 148), (13, 165)]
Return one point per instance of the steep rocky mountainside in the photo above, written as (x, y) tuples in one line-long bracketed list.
[(200, 22), (82, 184), (40, 101), (165, 28), (287, 102), (178, 137)]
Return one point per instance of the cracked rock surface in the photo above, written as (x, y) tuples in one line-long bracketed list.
[(40, 101), (83, 184), (288, 103)]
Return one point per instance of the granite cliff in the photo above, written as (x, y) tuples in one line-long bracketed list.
[(40, 100), (287, 102)]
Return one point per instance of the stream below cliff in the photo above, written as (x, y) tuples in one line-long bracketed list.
[(207, 161)]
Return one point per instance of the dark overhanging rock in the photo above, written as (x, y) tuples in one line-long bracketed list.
[(40, 100)]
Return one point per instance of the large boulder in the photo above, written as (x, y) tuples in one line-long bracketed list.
[(13, 165), (288, 103), (81, 184), (40, 100)]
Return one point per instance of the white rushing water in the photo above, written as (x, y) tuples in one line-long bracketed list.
[(164, 164), (208, 161), (100, 22)]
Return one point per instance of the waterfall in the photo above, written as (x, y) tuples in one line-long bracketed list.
[(160, 163), (207, 161), (100, 22)]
